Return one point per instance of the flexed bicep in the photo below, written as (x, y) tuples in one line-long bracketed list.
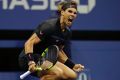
[(34, 39)]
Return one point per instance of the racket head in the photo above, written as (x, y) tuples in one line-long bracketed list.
[(50, 54)]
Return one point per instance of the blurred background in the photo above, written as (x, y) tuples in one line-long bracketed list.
[(95, 42)]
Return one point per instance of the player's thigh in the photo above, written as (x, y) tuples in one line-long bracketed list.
[(67, 72), (55, 70), (55, 73)]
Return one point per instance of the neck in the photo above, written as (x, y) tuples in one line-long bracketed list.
[(62, 24)]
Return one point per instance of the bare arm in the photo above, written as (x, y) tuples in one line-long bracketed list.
[(62, 57), (30, 42)]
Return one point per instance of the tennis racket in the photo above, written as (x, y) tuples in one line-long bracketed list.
[(50, 54)]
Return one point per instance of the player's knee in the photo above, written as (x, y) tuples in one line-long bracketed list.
[(56, 71), (71, 75), (54, 75), (74, 76)]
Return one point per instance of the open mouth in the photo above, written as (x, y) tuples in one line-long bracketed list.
[(70, 19)]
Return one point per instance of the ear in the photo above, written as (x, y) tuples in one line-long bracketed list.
[(62, 13)]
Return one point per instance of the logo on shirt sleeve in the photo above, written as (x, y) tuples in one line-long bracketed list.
[(41, 33)]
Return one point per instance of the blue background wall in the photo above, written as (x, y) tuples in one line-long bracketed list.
[(103, 16), (100, 57)]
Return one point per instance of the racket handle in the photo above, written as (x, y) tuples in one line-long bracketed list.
[(25, 74), (28, 72)]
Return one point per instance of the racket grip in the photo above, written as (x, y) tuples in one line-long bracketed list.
[(25, 74), (28, 72)]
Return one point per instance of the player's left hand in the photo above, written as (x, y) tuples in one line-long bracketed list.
[(78, 67)]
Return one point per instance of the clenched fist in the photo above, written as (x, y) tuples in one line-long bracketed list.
[(31, 66), (78, 67)]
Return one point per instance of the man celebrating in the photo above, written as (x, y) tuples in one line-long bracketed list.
[(57, 32)]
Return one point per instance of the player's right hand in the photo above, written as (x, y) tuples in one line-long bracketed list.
[(32, 66)]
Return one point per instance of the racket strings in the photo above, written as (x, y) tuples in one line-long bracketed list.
[(49, 54)]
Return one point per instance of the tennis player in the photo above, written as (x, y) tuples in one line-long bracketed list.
[(57, 32)]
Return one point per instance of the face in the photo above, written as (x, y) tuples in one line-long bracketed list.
[(68, 16)]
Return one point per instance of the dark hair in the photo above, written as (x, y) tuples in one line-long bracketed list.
[(69, 4), (66, 4)]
